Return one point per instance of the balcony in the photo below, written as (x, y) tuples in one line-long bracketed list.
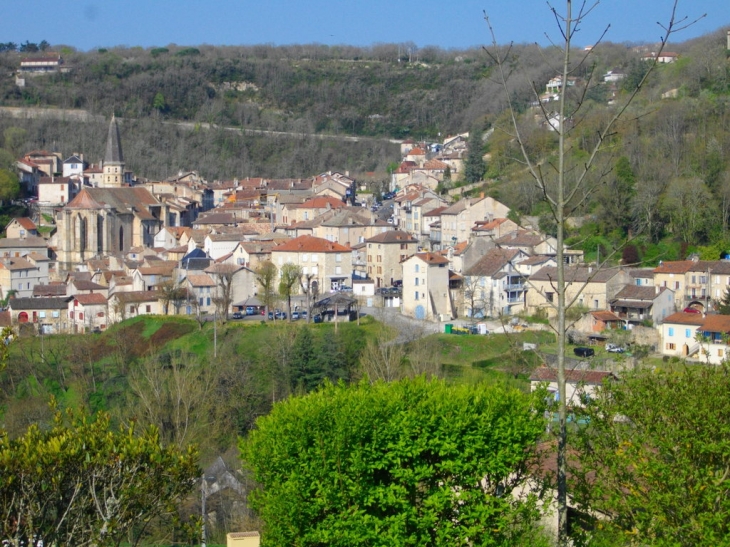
[(691, 297), (514, 287)]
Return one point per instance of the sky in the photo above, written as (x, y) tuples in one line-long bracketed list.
[(454, 24)]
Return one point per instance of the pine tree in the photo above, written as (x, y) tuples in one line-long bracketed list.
[(474, 167), (724, 306)]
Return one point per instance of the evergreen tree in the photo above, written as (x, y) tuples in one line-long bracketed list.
[(304, 367), (474, 167), (724, 306)]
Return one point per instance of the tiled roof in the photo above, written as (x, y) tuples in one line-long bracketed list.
[(683, 318), (22, 242), (394, 236), (84, 285), (26, 223), (216, 218), (60, 303), (520, 238), (605, 316), (431, 258), (201, 280), (90, 299), (637, 292), (716, 323), (576, 274), (492, 262), (310, 244), (14, 264), (137, 296), (54, 289)]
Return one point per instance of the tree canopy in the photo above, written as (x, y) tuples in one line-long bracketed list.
[(83, 483), (655, 458), (414, 462)]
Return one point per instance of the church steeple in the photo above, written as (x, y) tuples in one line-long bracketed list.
[(113, 158)]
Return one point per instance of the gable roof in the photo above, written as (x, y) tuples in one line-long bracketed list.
[(716, 323), (393, 236), (492, 262), (311, 244), (576, 274), (25, 222), (124, 200), (682, 318), (430, 258), (90, 299), (638, 292), (29, 303)]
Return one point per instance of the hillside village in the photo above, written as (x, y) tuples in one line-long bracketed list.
[(102, 245)]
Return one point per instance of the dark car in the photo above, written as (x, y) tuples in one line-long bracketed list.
[(584, 352), (237, 315)]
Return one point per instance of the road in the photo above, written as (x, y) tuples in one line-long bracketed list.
[(68, 114)]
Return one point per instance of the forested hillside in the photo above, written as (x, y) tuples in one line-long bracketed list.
[(304, 89), (669, 156)]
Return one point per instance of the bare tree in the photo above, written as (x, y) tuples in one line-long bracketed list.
[(223, 274), (289, 281), (565, 185), (383, 357), (310, 288), (171, 293), (173, 392), (266, 278)]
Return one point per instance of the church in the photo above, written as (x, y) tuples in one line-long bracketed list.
[(108, 219)]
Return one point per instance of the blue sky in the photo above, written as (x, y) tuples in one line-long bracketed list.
[(87, 24)]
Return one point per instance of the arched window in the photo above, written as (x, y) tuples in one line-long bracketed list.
[(100, 234), (82, 234)]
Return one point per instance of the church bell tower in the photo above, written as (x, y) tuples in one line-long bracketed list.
[(113, 171)]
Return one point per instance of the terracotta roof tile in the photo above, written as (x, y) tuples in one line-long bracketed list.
[(311, 244)]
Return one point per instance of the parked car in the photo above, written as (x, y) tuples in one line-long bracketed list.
[(237, 315), (691, 310), (613, 348), (345, 288), (584, 352), (295, 315), (250, 310)]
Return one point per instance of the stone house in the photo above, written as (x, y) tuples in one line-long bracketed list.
[(329, 262), (591, 288), (426, 287), (384, 254)]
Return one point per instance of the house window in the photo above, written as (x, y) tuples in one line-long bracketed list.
[(670, 346), (671, 331), (338, 269), (380, 258), (338, 257), (720, 353), (314, 258), (676, 285), (417, 280), (370, 258), (148, 308), (200, 301), (207, 301), (131, 309), (305, 257), (81, 316), (416, 295), (687, 333), (549, 296), (416, 268)]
